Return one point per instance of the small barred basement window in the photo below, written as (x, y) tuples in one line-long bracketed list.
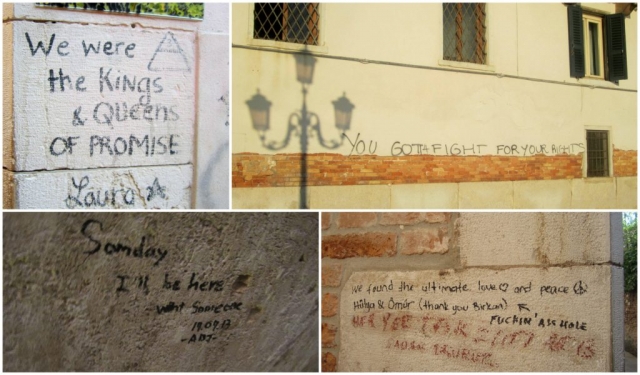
[(597, 153)]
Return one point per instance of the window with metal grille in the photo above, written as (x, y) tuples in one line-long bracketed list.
[(597, 153), (464, 32), (287, 22)]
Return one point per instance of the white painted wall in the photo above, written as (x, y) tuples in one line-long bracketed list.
[(212, 169), (93, 101), (194, 84)]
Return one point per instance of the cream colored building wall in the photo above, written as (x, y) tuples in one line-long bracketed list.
[(428, 103)]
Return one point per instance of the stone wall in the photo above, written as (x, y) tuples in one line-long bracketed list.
[(471, 292), (160, 292)]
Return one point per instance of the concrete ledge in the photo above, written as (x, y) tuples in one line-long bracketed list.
[(593, 193), (261, 198), (424, 196), (486, 194), (352, 196), (627, 192), (542, 194), (605, 193)]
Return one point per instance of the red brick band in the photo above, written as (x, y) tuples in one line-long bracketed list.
[(259, 170), (625, 163)]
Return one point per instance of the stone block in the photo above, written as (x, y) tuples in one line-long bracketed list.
[(627, 192), (552, 194), (549, 319), (415, 196), (156, 187), (486, 194), (590, 193), (345, 197), (265, 198), (510, 239)]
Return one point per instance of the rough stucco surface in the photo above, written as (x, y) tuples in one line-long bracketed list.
[(65, 310), (487, 239), (405, 321)]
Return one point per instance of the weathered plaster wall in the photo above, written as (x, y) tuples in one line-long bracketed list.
[(73, 300), (106, 95), (472, 292), (418, 119)]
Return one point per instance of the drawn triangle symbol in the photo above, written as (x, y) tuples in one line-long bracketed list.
[(169, 57)]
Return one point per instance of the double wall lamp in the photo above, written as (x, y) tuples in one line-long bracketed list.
[(300, 121)]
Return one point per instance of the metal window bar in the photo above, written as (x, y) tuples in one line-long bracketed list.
[(597, 153), (464, 32), (287, 22)]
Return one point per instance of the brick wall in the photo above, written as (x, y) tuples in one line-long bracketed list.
[(625, 163), (355, 241), (258, 170)]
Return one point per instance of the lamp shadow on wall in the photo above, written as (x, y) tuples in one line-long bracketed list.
[(302, 123)]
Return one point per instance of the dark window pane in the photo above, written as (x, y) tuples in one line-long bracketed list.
[(597, 153), (464, 32), (287, 22)]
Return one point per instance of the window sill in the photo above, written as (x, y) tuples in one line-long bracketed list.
[(466, 65), (287, 46), (596, 82)]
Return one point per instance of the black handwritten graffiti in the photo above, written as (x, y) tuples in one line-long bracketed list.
[(359, 145), (580, 288), (62, 78), (399, 148), (141, 282), (115, 248), (169, 56), (156, 190), (87, 197), (61, 145), (77, 120)]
